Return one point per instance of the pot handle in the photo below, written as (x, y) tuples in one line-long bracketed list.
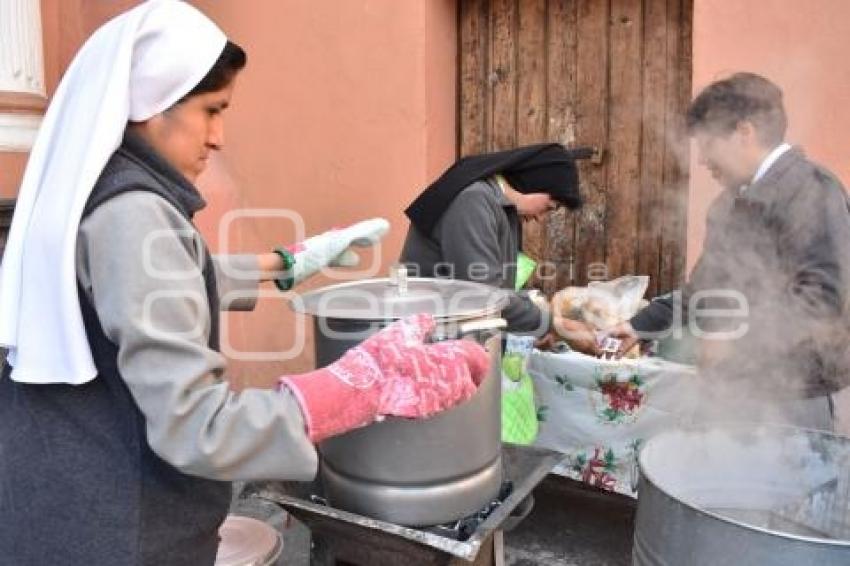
[(483, 325), (634, 473)]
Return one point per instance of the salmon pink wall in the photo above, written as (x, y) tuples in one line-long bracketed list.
[(344, 112), (11, 170), (801, 46)]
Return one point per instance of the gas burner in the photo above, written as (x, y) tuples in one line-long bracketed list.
[(463, 528), (366, 541)]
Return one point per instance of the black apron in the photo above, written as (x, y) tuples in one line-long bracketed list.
[(79, 483)]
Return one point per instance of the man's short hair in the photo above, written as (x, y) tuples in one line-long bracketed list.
[(742, 97)]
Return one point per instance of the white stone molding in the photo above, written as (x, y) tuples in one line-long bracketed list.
[(21, 73), (21, 57), (17, 131)]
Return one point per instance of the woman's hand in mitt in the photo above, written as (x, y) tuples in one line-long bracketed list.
[(394, 372)]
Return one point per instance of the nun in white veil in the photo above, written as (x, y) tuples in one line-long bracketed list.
[(110, 413), (118, 430), (97, 455)]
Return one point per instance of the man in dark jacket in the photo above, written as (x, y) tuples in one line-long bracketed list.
[(767, 296)]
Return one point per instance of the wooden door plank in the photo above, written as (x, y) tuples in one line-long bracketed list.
[(531, 100), (561, 69), (624, 136), (685, 74), (653, 138), (474, 46), (591, 129), (502, 75), (531, 72), (676, 158)]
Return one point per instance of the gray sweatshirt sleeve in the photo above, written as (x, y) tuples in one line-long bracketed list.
[(140, 263), (237, 278), (468, 234)]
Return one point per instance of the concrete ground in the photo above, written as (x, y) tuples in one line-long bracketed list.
[(573, 525), (570, 525)]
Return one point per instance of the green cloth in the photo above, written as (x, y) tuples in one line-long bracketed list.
[(519, 414), (524, 269)]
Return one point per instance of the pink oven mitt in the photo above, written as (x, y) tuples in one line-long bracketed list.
[(393, 372)]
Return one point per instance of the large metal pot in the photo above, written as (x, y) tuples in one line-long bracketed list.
[(413, 472), (723, 495)]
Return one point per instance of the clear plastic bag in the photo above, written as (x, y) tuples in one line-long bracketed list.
[(603, 304)]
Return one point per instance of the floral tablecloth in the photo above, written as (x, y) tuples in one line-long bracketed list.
[(598, 412)]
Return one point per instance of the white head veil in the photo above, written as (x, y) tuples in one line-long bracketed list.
[(132, 68)]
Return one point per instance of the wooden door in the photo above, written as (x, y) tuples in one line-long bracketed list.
[(613, 74)]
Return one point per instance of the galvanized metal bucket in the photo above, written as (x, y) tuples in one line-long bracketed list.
[(715, 496)]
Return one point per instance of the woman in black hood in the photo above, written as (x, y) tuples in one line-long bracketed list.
[(466, 225)]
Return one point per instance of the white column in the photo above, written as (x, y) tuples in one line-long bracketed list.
[(22, 92)]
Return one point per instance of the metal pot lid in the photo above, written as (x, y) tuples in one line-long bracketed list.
[(397, 296)]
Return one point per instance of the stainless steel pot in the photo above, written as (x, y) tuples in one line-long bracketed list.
[(413, 472), (715, 496)]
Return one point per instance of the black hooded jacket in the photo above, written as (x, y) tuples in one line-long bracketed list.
[(464, 227)]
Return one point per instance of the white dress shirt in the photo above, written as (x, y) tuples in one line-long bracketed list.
[(767, 163)]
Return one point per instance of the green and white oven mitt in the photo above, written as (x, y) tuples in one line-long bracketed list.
[(332, 248)]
